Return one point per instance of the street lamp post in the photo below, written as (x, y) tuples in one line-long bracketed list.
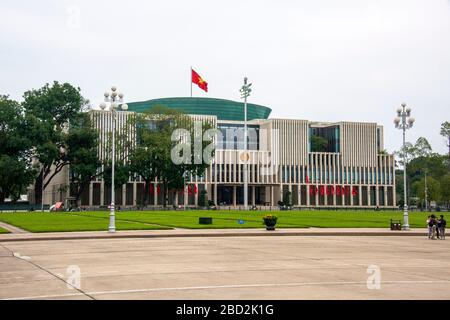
[(245, 93), (404, 121), (426, 192), (115, 99)]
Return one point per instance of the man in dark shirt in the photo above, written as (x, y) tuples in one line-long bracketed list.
[(441, 227)]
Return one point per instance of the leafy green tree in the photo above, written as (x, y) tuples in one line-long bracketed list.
[(123, 147), (48, 113), (151, 158), (399, 187), (287, 198), (445, 132), (82, 154), (445, 189), (15, 175), (203, 199), (16, 171), (422, 147), (318, 144), (407, 151), (433, 164), (433, 189)]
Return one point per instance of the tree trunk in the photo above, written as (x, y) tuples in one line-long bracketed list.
[(2, 197), (146, 192), (175, 192), (77, 199), (165, 194), (79, 191), (38, 188), (163, 191)]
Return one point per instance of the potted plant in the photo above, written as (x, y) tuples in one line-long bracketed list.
[(270, 221)]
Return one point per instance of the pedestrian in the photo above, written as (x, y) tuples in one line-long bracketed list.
[(429, 227), (441, 227), (432, 224)]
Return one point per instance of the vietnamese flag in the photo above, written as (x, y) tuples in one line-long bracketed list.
[(202, 84)]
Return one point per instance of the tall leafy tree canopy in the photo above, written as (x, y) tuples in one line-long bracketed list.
[(48, 113), (151, 157), (15, 166), (82, 154), (423, 162), (445, 132)]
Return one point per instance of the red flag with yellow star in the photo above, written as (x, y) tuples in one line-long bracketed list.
[(202, 84)]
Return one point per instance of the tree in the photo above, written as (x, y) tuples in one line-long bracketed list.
[(433, 164), (82, 154), (445, 189), (203, 199), (15, 175), (445, 132), (287, 198), (48, 112), (433, 189), (318, 144), (151, 158), (422, 147), (399, 187), (407, 151), (16, 171), (121, 174)]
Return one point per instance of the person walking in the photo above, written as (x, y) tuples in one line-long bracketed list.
[(429, 227), (441, 227), (433, 225), (437, 228)]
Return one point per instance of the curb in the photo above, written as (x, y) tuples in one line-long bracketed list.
[(217, 235)]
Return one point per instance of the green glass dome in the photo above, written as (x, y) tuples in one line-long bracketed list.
[(223, 109)]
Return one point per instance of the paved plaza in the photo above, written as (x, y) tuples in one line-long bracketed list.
[(229, 267)]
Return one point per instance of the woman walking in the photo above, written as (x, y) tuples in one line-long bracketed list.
[(432, 224), (429, 227), (441, 227)]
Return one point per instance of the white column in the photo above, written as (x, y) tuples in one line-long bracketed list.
[(124, 195), (196, 194), (134, 193), (253, 195), (102, 193)]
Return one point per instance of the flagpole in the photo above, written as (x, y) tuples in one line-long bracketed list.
[(191, 81)]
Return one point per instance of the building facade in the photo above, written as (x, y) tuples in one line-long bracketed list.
[(340, 164)]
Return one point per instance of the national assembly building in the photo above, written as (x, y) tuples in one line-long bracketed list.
[(321, 164)]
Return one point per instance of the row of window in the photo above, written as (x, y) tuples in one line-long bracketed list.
[(353, 175)]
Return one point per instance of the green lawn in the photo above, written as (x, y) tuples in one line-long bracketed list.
[(3, 230), (139, 220), (60, 222)]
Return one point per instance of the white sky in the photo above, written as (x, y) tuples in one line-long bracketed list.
[(323, 60)]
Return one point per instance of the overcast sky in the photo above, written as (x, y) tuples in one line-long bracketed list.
[(321, 60)]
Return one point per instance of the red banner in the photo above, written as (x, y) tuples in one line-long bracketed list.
[(332, 190)]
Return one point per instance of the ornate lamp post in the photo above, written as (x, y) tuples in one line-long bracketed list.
[(404, 121), (115, 99), (245, 93)]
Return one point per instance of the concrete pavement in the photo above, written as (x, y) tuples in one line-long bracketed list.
[(228, 267), (182, 233), (11, 228)]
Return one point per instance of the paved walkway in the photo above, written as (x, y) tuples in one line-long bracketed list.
[(181, 233), (238, 267), (12, 229)]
